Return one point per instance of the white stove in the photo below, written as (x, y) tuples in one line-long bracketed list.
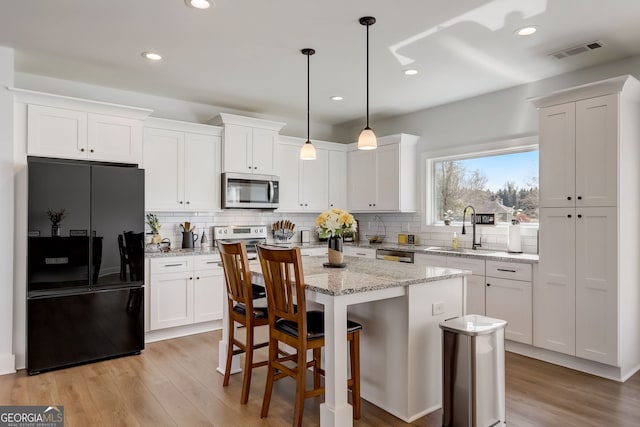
[(250, 234)]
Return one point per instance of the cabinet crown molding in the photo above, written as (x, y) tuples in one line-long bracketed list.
[(226, 118), (177, 125), (627, 83), (51, 100)]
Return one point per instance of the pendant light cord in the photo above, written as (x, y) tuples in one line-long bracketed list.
[(308, 94), (368, 75)]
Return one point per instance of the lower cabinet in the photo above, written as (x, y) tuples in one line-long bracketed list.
[(509, 297), (475, 282), (185, 290)]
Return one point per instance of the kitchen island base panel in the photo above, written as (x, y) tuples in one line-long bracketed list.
[(401, 347)]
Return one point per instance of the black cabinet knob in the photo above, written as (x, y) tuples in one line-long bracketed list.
[(488, 284), (188, 202), (82, 149), (579, 197), (579, 215), (569, 216), (568, 197), (91, 150)]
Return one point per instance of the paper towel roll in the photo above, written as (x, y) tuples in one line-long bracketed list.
[(514, 245)]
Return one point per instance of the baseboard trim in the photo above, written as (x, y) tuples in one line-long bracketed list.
[(181, 331), (7, 364)]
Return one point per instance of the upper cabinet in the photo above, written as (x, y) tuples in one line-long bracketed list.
[(248, 144), (182, 166), (579, 154), (384, 179), (311, 185), (72, 128)]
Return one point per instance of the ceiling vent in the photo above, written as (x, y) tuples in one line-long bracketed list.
[(575, 50)]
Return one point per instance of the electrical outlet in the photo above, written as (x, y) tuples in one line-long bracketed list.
[(437, 308)]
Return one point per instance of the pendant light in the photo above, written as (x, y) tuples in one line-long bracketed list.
[(367, 139), (308, 151)]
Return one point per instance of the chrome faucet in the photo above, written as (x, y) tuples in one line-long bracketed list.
[(474, 245)]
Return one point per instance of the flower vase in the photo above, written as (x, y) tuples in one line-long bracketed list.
[(55, 230), (335, 250)]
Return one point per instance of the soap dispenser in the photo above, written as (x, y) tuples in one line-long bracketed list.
[(454, 241)]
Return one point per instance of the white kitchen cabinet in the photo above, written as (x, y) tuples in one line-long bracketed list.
[(587, 296), (304, 184), (185, 290), (509, 297), (72, 128), (316, 251), (337, 179), (182, 166), (578, 164), (430, 260), (361, 252), (248, 144), (554, 294), (475, 282), (384, 179)]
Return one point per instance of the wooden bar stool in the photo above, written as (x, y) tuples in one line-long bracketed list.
[(240, 298), (291, 324)]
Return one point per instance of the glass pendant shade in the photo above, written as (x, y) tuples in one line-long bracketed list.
[(308, 151), (367, 139)]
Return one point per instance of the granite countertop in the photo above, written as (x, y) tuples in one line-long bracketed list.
[(181, 252), (365, 274)]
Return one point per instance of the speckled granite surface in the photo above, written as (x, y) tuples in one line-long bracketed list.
[(181, 252), (365, 274)]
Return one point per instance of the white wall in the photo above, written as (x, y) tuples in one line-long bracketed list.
[(7, 363)]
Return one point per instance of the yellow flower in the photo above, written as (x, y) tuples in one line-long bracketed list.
[(334, 222)]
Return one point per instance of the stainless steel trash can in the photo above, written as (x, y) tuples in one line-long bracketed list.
[(473, 371)]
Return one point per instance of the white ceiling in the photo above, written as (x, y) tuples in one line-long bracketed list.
[(245, 54)]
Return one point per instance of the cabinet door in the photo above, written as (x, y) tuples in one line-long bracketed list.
[(361, 179), (476, 295), (597, 151), (597, 285), (557, 156), (337, 179), (236, 149), (554, 299), (387, 178), (510, 300), (430, 260), (315, 182), (171, 300), (208, 295), (201, 173), (56, 132), (263, 151), (115, 139), (289, 164), (164, 174)]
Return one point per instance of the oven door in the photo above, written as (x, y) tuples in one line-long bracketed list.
[(249, 191)]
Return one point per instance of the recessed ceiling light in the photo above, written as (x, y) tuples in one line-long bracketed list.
[(198, 4), (410, 72), (152, 56), (526, 31), (337, 98)]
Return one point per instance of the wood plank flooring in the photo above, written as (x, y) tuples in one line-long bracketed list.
[(175, 383)]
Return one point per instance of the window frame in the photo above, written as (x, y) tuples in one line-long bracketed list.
[(429, 158)]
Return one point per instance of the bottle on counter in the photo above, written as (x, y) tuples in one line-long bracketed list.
[(454, 241)]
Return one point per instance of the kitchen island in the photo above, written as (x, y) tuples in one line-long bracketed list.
[(400, 307)]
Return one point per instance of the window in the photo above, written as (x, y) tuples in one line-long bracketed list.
[(504, 183)]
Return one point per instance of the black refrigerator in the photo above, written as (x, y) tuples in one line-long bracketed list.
[(85, 258)]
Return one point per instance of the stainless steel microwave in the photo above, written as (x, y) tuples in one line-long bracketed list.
[(250, 191)]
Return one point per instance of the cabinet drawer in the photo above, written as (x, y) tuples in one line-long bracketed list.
[(322, 251), (476, 266), (171, 264), (207, 262), (430, 260), (509, 270), (359, 252)]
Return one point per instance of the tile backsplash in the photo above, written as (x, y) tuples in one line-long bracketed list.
[(391, 225)]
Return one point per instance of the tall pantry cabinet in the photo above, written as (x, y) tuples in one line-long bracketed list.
[(587, 299)]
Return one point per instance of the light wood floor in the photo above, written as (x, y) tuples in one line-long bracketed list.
[(175, 382)]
